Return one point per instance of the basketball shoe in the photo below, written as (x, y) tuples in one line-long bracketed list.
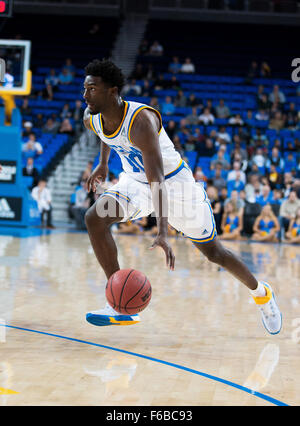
[(270, 313), (108, 316)]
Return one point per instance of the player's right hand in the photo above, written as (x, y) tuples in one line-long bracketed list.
[(99, 175)]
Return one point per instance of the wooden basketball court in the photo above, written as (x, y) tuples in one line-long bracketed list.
[(200, 341)]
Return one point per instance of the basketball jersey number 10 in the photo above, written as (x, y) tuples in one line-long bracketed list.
[(136, 162)]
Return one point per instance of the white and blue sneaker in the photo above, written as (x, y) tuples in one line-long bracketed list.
[(271, 315), (108, 316)]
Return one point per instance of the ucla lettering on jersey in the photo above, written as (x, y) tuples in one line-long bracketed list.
[(131, 156)]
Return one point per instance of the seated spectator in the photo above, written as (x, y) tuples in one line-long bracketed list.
[(290, 162), (277, 95), (32, 148), (277, 121), (199, 175), (66, 111), (220, 158), (25, 108), (236, 120), (265, 70), (188, 67), (210, 106), (277, 197), (175, 66), (253, 188), (236, 184), (168, 107), (173, 83), (223, 135), (66, 127), (156, 49), (263, 103), (39, 121), (65, 77), (180, 99), (42, 195), (27, 129), (262, 115), (81, 205), (206, 118), (274, 177), (144, 48), (266, 196), (77, 114), (132, 89), (146, 88), (222, 110), (160, 83), (288, 210), (232, 222), (236, 198), (266, 226), (252, 73), (276, 160), (31, 171), (193, 119), (292, 118), (218, 180), (293, 233), (52, 79), (155, 104), (236, 170), (171, 129), (138, 73), (51, 126), (70, 67), (193, 101)]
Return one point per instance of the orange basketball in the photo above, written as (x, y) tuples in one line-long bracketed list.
[(128, 291)]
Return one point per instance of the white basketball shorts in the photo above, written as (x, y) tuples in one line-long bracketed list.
[(189, 209)]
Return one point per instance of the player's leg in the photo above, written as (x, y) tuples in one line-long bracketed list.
[(99, 219)]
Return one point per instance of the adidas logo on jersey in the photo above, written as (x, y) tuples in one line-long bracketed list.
[(5, 211)]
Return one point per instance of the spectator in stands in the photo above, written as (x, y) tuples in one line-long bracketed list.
[(32, 148), (193, 118), (42, 195), (138, 73), (160, 83), (155, 104), (66, 127), (266, 196), (277, 121), (66, 111), (222, 110), (236, 198), (253, 188), (288, 210), (206, 118), (274, 177), (25, 108), (262, 115), (277, 95), (223, 135), (265, 70), (52, 79), (65, 77), (275, 159), (232, 222), (70, 67), (132, 88), (236, 170), (31, 171), (266, 226), (174, 66), (146, 88), (156, 49), (82, 204), (220, 158), (173, 84), (236, 184), (168, 107), (39, 121), (263, 103), (292, 118), (144, 47), (193, 101), (236, 120), (77, 115), (51, 126), (252, 73), (218, 180), (210, 106), (180, 99), (293, 233), (188, 67), (277, 197), (171, 129), (177, 145)]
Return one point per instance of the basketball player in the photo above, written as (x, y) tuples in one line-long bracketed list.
[(155, 179)]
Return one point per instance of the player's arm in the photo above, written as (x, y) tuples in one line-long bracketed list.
[(101, 171), (144, 135)]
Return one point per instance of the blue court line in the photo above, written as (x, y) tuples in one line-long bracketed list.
[(160, 361)]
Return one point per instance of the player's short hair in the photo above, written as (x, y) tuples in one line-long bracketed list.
[(108, 71)]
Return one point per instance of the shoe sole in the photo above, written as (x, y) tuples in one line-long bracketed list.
[(273, 295), (104, 320)]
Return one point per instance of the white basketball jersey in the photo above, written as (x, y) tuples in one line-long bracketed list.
[(131, 156)]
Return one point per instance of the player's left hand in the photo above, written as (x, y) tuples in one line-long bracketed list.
[(163, 243)]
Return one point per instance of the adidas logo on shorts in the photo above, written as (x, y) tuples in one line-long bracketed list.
[(205, 232)]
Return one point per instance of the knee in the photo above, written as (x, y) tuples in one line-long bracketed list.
[(217, 255)]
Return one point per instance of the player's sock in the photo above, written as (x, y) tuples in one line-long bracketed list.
[(260, 291)]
